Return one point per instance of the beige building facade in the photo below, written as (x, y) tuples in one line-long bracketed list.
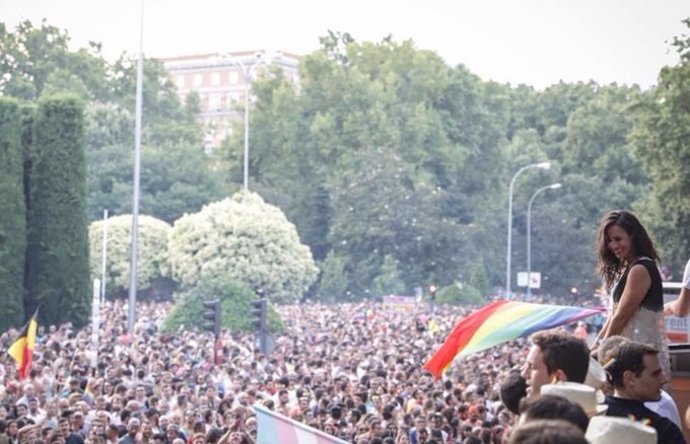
[(222, 80)]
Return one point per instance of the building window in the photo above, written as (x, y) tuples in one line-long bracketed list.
[(180, 81), (234, 77), (214, 102), (235, 98), (215, 78), (198, 79)]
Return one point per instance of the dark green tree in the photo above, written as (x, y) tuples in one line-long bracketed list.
[(460, 294), (57, 270), (177, 177), (661, 138), (478, 278), (13, 221), (383, 150), (235, 298), (33, 57), (388, 281), (333, 279)]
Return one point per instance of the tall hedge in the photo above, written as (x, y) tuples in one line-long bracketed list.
[(57, 259), (13, 219)]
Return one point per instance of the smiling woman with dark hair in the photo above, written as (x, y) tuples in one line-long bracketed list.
[(628, 264)]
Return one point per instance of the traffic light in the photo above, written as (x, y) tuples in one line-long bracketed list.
[(211, 316), (259, 314), (259, 321)]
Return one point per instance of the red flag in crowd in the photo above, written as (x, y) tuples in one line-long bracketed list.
[(23, 348)]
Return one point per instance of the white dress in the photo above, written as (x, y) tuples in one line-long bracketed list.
[(649, 327)]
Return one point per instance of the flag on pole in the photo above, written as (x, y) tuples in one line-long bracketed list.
[(499, 322), (274, 428), (23, 347)]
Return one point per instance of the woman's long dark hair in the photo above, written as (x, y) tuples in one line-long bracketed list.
[(609, 266)]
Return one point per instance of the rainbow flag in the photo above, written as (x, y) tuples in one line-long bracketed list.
[(499, 322), (274, 428), (22, 349)]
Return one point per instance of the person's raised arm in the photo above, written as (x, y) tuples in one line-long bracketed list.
[(681, 306), (225, 439)]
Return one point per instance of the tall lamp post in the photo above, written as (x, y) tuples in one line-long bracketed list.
[(135, 199), (247, 71), (553, 186), (542, 165)]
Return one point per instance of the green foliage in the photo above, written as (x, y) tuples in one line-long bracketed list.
[(388, 281), (661, 140), (457, 294), (177, 177), (247, 240), (38, 57), (13, 220), (174, 180), (333, 280), (62, 81), (57, 268), (168, 121), (235, 299), (153, 269), (381, 208), (478, 278), (582, 129), (383, 154), (382, 151)]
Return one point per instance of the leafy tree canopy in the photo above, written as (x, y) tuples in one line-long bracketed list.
[(247, 240), (661, 138), (153, 269)]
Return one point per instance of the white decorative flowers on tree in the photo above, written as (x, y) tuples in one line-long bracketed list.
[(247, 240), (152, 257)]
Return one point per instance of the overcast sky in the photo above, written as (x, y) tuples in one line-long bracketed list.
[(537, 42)]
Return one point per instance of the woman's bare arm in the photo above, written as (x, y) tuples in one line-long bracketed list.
[(638, 283)]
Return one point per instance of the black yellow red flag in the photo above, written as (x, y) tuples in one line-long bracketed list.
[(23, 348)]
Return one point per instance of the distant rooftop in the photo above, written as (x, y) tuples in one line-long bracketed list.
[(190, 61)]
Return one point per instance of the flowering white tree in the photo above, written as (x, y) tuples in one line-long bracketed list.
[(152, 249), (247, 240)]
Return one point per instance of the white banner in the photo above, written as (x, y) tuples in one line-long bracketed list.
[(534, 278)]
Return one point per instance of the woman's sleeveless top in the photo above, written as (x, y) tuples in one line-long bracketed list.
[(648, 324)]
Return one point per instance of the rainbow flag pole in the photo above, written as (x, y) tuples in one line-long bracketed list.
[(499, 322)]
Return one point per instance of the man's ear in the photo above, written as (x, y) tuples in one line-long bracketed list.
[(559, 376), (629, 378)]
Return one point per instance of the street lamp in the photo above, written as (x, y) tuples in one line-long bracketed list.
[(542, 165), (247, 71), (553, 186), (131, 317)]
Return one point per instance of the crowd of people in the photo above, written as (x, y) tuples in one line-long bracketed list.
[(352, 371)]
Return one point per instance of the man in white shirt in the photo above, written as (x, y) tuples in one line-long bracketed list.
[(36, 414)]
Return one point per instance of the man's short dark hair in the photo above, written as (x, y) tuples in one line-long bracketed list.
[(547, 431), (626, 356), (607, 345), (554, 407), (512, 390), (563, 351)]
